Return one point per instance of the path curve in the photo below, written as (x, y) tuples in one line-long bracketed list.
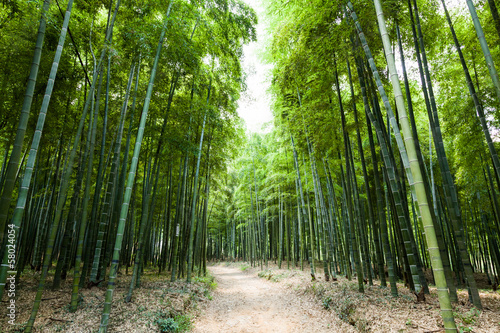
[(248, 304)]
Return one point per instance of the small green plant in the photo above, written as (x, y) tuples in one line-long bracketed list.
[(184, 322), (208, 281), (213, 285), (345, 309), (468, 319), (409, 322), (18, 327), (168, 321), (471, 316), (326, 302), (464, 329), (277, 278), (317, 289), (167, 324), (244, 267), (267, 274)]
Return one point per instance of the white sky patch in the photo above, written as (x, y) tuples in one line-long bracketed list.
[(254, 104)]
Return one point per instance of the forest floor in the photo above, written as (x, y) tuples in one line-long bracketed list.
[(245, 303), (235, 297), (249, 299), (158, 302)]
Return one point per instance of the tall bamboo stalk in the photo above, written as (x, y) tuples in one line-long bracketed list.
[(444, 300), (9, 179), (130, 182)]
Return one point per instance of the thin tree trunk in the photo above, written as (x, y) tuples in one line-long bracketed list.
[(485, 48), (9, 180), (444, 300), (130, 181), (23, 193)]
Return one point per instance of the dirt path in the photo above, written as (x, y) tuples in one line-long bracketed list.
[(246, 303)]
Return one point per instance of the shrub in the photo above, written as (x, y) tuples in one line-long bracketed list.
[(167, 324), (468, 319), (327, 302), (267, 274)]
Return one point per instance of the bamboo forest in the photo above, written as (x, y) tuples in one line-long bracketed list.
[(249, 166)]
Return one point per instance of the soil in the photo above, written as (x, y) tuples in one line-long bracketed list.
[(246, 303), (157, 298), (250, 299), (278, 300)]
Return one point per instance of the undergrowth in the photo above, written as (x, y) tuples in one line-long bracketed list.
[(169, 321), (274, 276), (342, 300), (466, 320), (177, 319)]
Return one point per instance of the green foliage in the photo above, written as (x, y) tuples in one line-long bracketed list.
[(168, 323), (467, 319), (207, 281), (326, 301), (185, 323), (18, 327), (267, 274), (345, 309), (273, 276), (252, 177)]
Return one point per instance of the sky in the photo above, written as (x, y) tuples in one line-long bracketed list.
[(254, 104)]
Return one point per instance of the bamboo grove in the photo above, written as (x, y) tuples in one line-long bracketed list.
[(121, 147), (381, 162), (137, 112)]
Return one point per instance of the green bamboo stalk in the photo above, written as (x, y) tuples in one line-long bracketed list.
[(320, 218), (299, 222), (141, 236), (25, 185), (414, 205), (195, 193), (395, 185), (449, 186), (83, 225), (101, 168), (348, 195), (380, 201), (484, 47), (337, 250), (444, 300), (65, 182), (9, 179), (304, 213), (181, 195), (472, 91), (16, 221), (130, 181), (436, 216), (373, 223)]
